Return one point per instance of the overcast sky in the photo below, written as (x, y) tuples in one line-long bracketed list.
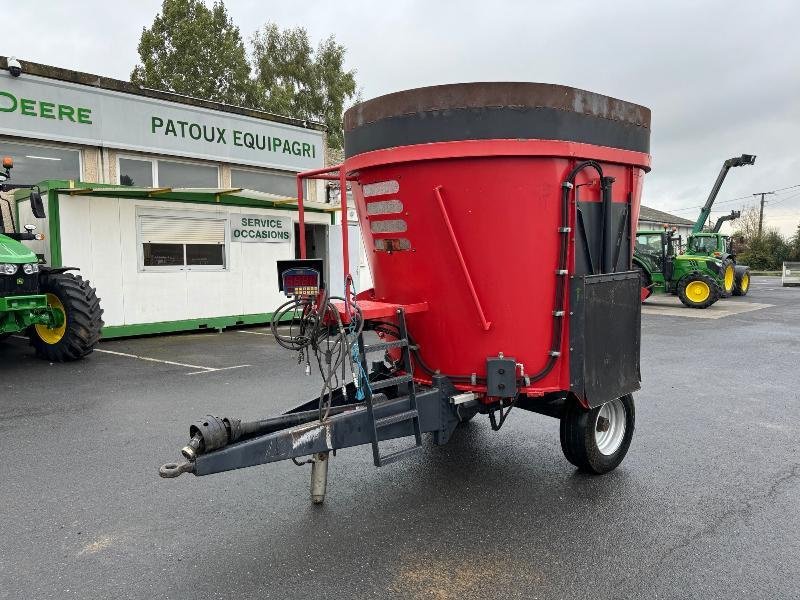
[(722, 78)]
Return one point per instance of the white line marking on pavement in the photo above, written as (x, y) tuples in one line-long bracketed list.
[(210, 370), (158, 360), (255, 332), (200, 368)]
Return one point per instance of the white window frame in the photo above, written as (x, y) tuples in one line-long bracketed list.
[(154, 166), (37, 144), (292, 174), (203, 215), (152, 161)]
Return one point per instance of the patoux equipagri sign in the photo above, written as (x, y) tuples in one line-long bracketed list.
[(48, 109)]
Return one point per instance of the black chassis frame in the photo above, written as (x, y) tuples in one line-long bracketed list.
[(349, 426)]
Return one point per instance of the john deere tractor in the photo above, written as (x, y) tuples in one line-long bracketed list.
[(696, 280), (59, 312), (735, 278)]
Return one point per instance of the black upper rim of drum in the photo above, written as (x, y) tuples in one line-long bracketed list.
[(478, 111)]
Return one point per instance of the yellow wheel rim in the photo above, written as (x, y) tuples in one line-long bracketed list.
[(53, 335), (698, 291), (745, 285), (729, 278)]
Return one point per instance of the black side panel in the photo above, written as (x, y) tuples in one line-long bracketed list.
[(605, 335), (589, 234)]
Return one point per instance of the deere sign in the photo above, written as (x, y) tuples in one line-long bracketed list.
[(260, 228), (48, 109)]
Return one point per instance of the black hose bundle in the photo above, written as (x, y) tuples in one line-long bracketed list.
[(313, 327)]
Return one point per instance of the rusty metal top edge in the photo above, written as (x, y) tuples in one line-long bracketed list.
[(495, 94)]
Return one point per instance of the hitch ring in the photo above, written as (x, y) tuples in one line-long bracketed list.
[(170, 470)]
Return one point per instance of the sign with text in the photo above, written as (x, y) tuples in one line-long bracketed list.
[(49, 109), (261, 228)]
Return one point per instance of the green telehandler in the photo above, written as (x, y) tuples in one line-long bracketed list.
[(735, 277), (59, 312)]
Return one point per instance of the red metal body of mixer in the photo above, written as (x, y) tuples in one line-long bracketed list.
[(459, 196)]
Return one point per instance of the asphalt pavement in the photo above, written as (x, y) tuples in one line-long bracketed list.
[(706, 504)]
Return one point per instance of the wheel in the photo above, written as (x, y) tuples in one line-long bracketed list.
[(697, 290), (80, 331), (597, 440), (645, 281), (742, 285), (727, 278)]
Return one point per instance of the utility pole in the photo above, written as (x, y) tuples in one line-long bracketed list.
[(761, 211)]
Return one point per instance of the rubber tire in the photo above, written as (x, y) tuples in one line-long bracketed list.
[(644, 278), (578, 440), (739, 272), (83, 313), (712, 285), (723, 293)]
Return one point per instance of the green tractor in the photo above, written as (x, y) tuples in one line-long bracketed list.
[(59, 312), (735, 278), (695, 280)]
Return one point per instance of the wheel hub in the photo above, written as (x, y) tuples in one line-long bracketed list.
[(610, 427)]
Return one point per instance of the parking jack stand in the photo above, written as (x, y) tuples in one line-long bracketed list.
[(319, 477)]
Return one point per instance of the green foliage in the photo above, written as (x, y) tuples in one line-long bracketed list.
[(794, 245), (194, 50), (766, 252), (293, 79)]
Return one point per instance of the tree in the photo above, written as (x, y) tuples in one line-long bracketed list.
[(766, 252), (295, 80), (794, 243), (194, 50)]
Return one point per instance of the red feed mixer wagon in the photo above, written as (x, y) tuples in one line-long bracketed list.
[(498, 220)]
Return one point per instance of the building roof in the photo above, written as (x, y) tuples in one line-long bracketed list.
[(659, 216), (117, 85), (232, 196)]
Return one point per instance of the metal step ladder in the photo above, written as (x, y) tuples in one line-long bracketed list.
[(371, 397)]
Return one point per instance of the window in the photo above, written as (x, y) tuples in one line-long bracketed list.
[(147, 172), (177, 241), (33, 164), (280, 184), (180, 174), (136, 172)]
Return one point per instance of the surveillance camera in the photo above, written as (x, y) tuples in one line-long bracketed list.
[(14, 67)]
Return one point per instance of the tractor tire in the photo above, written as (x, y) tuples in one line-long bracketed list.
[(697, 290), (80, 332), (644, 281), (728, 278), (597, 440), (742, 285)]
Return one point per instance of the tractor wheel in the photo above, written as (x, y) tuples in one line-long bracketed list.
[(742, 285), (597, 440), (728, 278), (80, 332), (644, 281), (698, 291)]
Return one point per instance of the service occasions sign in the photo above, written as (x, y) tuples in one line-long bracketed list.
[(261, 228), (48, 109)]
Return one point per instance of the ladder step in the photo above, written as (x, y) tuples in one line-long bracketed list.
[(385, 345), (379, 385), (397, 418), (399, 455)]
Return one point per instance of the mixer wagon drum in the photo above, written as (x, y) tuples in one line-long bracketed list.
[(498, 220)]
